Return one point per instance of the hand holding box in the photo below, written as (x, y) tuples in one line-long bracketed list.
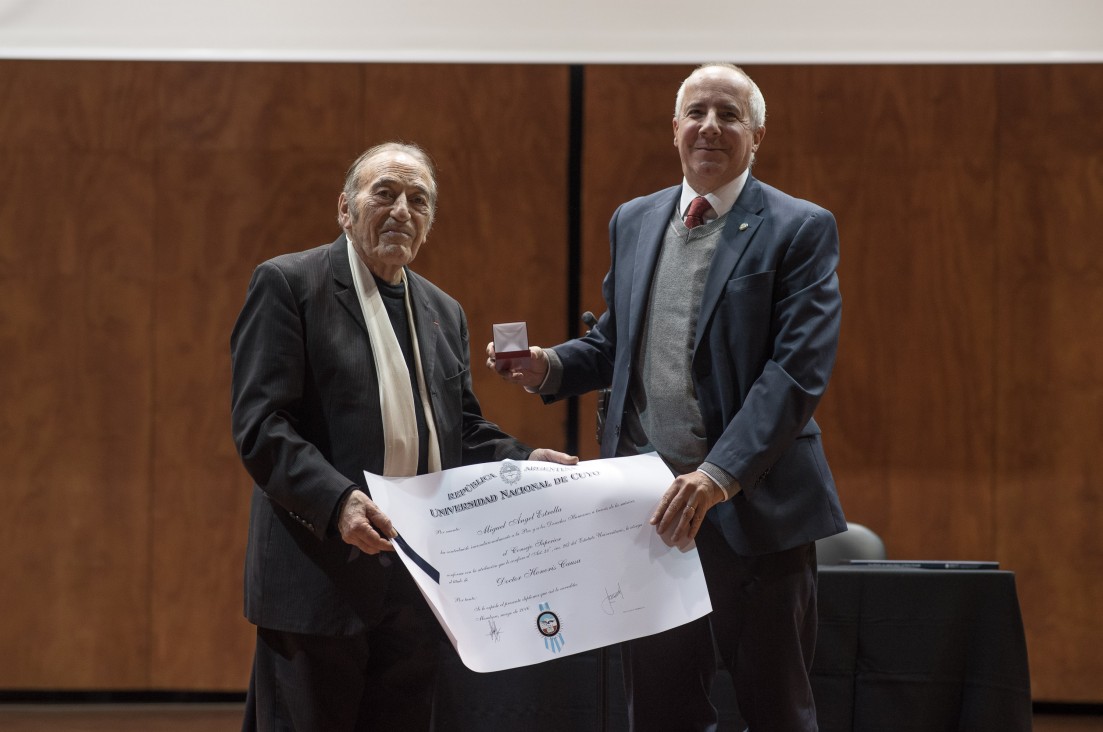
[(511, 345)]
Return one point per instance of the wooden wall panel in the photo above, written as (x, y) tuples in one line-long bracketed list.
[(76, 273), (251, 160), (67, 105), (135, 199), (914, 205), (201, 492), (1050, 372)]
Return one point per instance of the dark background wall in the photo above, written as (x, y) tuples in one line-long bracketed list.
[(963, 421)]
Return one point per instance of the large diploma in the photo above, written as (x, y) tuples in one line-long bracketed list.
[(524, 562)]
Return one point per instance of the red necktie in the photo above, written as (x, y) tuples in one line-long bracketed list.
[(695, 213)]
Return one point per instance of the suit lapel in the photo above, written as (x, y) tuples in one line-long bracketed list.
[(743, 221), (652, 230), (426, 323)]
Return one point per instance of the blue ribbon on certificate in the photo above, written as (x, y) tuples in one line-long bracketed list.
[(425, 566)]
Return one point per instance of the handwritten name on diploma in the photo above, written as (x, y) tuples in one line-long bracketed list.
[(523, 551), (556, 559), (537, 571)]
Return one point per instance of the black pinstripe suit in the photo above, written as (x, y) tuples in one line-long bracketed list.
[(306, 421)]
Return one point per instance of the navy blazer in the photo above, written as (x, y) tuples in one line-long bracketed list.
[(307, 423), (767, 333)]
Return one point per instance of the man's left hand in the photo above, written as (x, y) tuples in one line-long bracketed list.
[(683, 507), (552, 456)]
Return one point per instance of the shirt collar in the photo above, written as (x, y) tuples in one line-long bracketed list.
[(722, 199)]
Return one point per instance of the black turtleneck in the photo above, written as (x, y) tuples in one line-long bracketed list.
[(394, 299)]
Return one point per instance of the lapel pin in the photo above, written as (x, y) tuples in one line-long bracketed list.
[(743, 227)]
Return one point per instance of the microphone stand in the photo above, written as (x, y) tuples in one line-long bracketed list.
[(602, 661)]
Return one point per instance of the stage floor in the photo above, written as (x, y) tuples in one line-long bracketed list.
[(227, 718)]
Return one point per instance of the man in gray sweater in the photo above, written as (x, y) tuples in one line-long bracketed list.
[(718, 342)]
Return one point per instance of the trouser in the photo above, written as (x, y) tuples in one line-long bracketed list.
[(763, 625), (381, 679)]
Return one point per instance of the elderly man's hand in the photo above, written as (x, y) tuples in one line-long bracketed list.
[(683, 507), (552, 456), (530, 376), (364, 525)]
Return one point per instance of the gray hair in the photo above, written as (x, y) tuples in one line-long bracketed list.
[(352, 178), (757, 101)]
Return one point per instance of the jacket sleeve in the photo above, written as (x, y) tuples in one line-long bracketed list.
[(805, 310), (587, 362), (268, 361)]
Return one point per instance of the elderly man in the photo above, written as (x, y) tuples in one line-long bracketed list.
[(343, 361), (718, 340)]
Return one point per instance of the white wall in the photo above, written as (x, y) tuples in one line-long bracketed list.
[(560, 31)]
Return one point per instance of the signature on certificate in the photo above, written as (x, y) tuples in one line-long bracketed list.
[(495, 634), (610, 599)]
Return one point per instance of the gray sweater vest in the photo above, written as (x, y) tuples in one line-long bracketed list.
[(664, 415)]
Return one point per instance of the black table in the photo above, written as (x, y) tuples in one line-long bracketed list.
[(920, 649), (899, 649)]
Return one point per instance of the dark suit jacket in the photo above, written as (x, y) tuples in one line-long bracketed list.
[(765, 345), (306, 421)]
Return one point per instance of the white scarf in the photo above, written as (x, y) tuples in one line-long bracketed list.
[(396, 397)]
